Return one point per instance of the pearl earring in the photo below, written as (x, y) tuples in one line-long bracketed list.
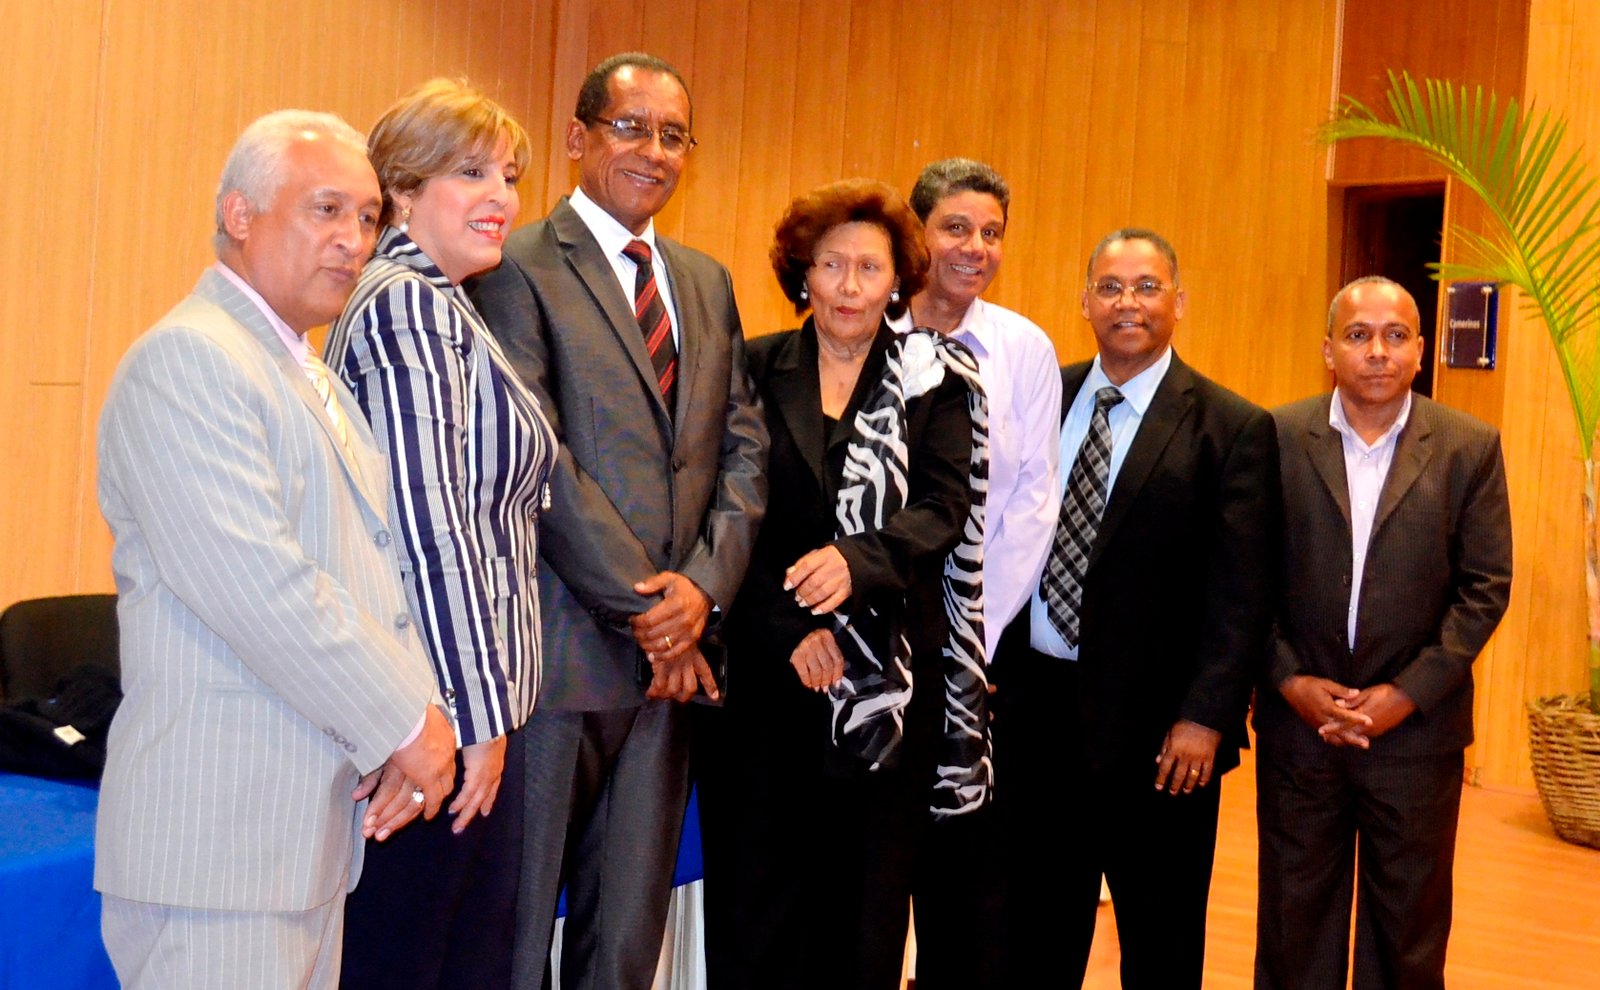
[(405, 220), (894, 296), (805, 294)]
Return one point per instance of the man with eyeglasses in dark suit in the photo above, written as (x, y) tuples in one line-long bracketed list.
[(632, 344), (1126, 703)]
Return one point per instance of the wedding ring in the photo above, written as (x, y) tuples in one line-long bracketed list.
[(416, 795), (669, 641), (1194, 773)]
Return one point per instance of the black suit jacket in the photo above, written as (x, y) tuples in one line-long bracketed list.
[(635, 489), (1177, 598), (1436, 581), (905, 557)]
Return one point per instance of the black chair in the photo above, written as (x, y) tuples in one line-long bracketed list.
[(43, 639)]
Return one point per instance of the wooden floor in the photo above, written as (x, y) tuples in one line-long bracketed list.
[(1527, 906)]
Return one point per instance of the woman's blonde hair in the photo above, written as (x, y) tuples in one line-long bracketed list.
[(435, 129)]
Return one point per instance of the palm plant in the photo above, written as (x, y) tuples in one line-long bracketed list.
[(1546, 242)]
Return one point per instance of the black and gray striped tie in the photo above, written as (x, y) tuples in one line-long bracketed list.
[(1081, 508)]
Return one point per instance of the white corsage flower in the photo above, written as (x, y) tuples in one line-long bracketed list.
[(920, 368)]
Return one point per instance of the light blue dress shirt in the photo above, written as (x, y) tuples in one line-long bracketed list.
[(1124, 419)]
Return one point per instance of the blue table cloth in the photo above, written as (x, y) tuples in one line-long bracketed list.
[(49, 912)]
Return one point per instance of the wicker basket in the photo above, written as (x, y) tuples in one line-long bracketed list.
[(1564, 739)]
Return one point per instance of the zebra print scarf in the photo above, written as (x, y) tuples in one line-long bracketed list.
[(869, 704)]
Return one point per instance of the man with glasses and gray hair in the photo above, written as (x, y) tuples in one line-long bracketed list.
[(632, 344), (1143, 636)]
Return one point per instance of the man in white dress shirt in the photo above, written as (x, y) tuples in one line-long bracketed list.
[(267, 656), (964, 206)]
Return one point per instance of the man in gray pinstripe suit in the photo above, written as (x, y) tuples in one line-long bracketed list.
[(268, 660)]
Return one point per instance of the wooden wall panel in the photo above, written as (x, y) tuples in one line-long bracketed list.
[(710, 206), (1036, 175), (47, 112), (1476, 42), (1190, 115), (767, 142)]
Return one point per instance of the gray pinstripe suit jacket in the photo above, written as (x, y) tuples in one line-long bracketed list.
[(267, 653)]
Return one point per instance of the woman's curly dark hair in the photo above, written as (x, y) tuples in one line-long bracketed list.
[(809, 218)]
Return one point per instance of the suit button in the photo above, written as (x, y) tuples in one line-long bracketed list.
[(677, 464), (402, 621), (382, 538), (666, 549)]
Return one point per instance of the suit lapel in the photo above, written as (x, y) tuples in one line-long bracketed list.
[(689, 317), (515, 390), (594, 270), (1411, 455), (361, 462), (1170, 406), (796, 391), (1072, 378), (1325, 450)]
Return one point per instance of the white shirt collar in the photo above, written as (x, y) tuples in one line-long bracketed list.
[(295, 342), (1138, 391), (607, 230), (1338, 421), (974, 329)]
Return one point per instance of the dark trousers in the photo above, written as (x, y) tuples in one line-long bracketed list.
[(1062, 825), (605, 801), (809, 867), (434, 909), (958, 902), (1337, 822)]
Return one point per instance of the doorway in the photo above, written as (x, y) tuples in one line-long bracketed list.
[(1395, 231)]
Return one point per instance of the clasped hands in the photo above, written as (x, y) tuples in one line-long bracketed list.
[(1346, 716), (821, 583), (669, 634), (427, 767)]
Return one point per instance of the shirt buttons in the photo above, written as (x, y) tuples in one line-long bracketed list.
[(402, 621), (382, 538)]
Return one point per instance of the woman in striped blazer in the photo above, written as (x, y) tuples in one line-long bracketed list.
[(469, 451)]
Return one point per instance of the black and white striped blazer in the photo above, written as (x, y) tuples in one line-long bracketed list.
[(469, 452)]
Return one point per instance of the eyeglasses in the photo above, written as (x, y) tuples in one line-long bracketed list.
[(674, 139), (1110, 289)]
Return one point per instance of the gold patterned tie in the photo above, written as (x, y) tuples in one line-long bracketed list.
[(318, 373)]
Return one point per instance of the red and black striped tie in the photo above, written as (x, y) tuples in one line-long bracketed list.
[(651, 313)]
